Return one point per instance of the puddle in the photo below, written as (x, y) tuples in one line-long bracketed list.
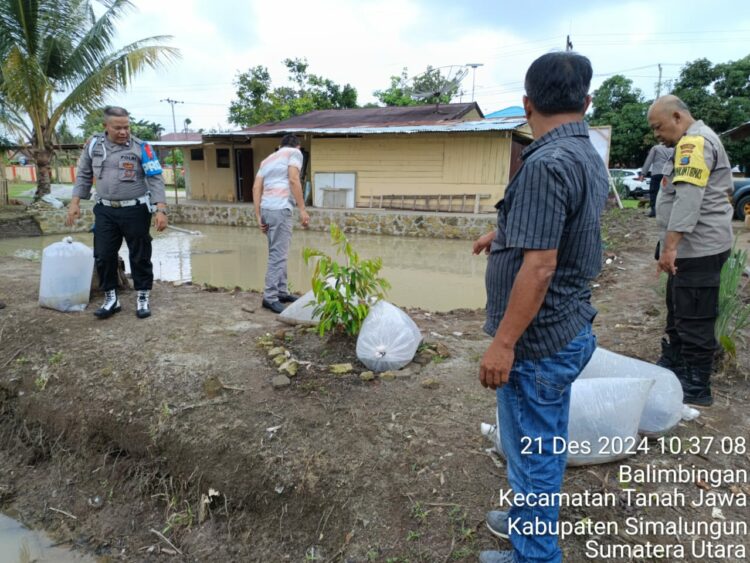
[(18, 544), (437, 275)]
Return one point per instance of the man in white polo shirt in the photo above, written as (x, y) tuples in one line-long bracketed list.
[(278, 180)]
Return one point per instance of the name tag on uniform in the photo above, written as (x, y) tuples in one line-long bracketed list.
[(127, 168)]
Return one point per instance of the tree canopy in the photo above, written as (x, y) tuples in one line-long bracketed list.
[(430, 87), (258, 101), (718, 94), (618, 104), (57, 59)]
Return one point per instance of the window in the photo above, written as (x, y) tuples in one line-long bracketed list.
[(222, 158), (196, 154)]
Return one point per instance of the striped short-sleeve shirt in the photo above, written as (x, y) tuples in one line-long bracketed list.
[(555, 201), (275, 172)]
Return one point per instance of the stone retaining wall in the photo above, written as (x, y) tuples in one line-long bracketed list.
[(363, 221)]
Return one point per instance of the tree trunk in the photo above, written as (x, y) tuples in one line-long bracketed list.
[(43, 159)]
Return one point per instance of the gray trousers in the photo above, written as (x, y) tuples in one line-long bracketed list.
[(279, 235)]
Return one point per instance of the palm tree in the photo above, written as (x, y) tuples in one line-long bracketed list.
[(57, 60)]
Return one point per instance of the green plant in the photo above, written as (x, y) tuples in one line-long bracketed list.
[(419, 513), (343, 292), (413, 536), (56, 358), (734, 313), (621, 188)]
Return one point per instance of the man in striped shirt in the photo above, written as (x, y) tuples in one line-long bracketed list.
[(545, 251)]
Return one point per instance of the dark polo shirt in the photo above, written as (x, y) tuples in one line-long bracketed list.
[(554, 201)]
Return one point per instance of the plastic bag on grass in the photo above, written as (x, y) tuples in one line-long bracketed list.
[(300, 312), (389, 338), (663, 408), (604, 416), (65, 282)]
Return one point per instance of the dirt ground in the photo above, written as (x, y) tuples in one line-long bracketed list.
[(164, 439)]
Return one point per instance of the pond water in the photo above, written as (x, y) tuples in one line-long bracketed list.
[(18, 544), (437, 275)]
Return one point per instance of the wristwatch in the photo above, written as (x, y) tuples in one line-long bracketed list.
[(164, 210)]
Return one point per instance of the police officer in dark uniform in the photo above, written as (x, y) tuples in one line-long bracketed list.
[(128, 185)]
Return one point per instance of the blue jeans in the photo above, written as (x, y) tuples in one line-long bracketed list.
[(535, 403)]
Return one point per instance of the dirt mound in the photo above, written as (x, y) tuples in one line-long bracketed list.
[(171, 426)]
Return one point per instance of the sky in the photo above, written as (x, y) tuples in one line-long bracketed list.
[(365, 42)]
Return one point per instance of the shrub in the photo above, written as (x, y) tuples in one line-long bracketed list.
[(734, 314), (344, 292)]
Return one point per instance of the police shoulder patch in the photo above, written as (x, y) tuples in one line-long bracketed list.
[(690, 162)]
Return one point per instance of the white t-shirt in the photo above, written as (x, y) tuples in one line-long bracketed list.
[(275, 173)]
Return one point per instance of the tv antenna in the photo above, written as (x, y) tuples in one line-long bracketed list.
[(435, 83)]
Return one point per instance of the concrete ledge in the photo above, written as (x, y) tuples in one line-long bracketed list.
[(464, 226)]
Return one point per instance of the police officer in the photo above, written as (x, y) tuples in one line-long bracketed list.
[(694, 212), (126, 171), (657, 157)]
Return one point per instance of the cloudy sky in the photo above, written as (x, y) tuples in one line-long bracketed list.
[(364, 42)]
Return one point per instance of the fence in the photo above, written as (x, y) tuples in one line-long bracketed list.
[(450, 203), (61, 174), (4, 195)]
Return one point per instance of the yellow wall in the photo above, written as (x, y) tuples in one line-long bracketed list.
[(207, 182), (433, 164)]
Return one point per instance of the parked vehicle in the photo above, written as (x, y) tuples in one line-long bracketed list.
[(741, 198), (631, 178)]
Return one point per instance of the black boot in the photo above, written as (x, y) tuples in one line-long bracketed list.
[(696, 388), (670, 356), (142, 306), (110, 306)]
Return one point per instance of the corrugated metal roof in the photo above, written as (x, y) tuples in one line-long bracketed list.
[(738, 133), (511, 111), (374, 117), (174, 143), (503, 124)]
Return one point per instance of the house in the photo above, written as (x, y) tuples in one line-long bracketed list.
[(372, 157)]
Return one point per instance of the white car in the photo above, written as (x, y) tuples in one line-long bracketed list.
[(630, 177)]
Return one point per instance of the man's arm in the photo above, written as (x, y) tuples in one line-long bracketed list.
[(526, 298), (257, 194), (155, 185), (82, 187), (690, 182), (649, 161), (296, 187)]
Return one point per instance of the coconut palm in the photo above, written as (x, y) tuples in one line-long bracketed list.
[(57, 60)]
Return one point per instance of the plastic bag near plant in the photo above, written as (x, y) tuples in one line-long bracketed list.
[(389, 338), (344, 292), (734, 313)]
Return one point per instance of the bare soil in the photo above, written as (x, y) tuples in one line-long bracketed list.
[(112, 431)]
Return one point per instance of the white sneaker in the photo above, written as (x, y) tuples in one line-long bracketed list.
[(142, 308), (110, 306)]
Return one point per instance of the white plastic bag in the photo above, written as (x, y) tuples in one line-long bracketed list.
[(603, 421), (388, 339), (300, 311), (663, 408), (65, 283)]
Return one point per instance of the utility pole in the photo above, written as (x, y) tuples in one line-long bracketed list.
[(172, 103), (658, 84), (473, 76), (568, 44)]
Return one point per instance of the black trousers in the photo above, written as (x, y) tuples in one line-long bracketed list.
[(654, 188), (111, 226), (693, 307)]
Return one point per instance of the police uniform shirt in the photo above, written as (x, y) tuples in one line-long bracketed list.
[(118, 171), (694, 199)]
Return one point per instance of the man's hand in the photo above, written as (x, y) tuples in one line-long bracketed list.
[(304, 218), (261, 225), (497, 362), (483, 243), (160, 221), (666, 261), (74, 213)]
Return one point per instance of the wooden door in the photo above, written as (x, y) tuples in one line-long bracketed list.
[(244, 162)]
